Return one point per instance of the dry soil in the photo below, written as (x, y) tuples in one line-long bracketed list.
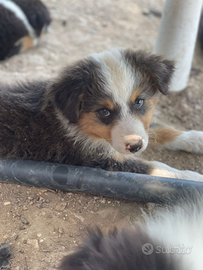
[(43, 225)]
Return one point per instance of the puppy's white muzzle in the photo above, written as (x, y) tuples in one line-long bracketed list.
[(129, 137)]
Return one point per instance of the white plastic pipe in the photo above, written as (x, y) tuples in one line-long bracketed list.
[(177, 36)]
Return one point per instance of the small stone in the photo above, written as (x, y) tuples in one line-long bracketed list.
[(155, 12), (14, 237), (103, 201), (24, 208), (24, 241), (152, 11), (39, 235), (60, 230), (24, 221), (60, 207), (33, 242), (7, 203), (146, 12), (21, 228), (79, 217)]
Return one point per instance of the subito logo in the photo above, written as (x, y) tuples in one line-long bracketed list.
[(147, 249)]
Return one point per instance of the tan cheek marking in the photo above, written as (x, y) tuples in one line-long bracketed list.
[(108, 104), (162, 135), (147, 118), (134, 95), (90, 126), (26, 43)]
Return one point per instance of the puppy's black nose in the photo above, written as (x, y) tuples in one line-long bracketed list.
[(134, 147)]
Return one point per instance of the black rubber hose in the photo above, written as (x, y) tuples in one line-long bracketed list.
[(121, 185)]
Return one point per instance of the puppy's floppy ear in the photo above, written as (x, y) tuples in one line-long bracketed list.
[(68, 93), (69, 89), (163, 71), (159, 70)]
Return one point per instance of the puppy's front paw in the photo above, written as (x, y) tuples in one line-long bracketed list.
[(163, 170), (195, 141)]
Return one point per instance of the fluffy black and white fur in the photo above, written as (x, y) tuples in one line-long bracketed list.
[(171, 239), (21, 24), (97, 113)]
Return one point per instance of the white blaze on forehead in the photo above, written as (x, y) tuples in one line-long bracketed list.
[(121, 82), (121, 79)]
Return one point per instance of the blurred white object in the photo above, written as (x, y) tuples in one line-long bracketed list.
[(177, 36)]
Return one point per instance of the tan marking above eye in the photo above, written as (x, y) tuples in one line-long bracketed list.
[(108, 104), (25, 42), (90, 126), (135, 95)]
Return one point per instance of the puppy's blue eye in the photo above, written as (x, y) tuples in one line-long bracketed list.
[(104, 112), (139, 103)]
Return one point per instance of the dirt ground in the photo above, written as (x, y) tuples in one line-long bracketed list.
[(43, 225)]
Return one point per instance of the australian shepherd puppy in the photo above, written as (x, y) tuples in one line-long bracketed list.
[(172, 239), (97, 113)]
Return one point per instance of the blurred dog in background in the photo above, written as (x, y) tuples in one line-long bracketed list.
[(21, 24)]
